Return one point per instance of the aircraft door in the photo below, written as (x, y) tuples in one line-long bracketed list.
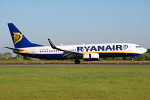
[(130, 48), (33, 52)]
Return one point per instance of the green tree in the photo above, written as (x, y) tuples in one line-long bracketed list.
[(108, 58), (127, 58), (27, 58), (0, 56), (147, 57), (147, 54), (148, 51), (140, 58), (7, 55), (119, 58), (19, 57)]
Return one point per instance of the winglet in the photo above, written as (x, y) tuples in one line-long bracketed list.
[(52, 45)]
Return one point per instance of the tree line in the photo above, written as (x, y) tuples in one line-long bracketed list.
[(143, 57)]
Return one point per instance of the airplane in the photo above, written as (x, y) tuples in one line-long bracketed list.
[(87, 52)]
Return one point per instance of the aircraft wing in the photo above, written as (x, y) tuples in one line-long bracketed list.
[(67, 53), (14, 49)]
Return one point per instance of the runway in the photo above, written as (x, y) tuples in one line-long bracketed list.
[(79, 64)]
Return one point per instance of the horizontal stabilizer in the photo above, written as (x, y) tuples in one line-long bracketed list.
[(13, 49)]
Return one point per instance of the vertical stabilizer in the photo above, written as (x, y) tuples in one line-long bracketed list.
[(19, 40)]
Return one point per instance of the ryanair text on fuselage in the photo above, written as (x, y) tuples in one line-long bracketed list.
[(102, 48)]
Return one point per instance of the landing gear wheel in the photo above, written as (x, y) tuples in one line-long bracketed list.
[(77, 61)]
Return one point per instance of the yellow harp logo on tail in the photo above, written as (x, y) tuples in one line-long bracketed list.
[(17, 37)]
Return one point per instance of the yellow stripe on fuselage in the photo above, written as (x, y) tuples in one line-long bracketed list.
[(37, 53), (91, 57), (114, 52)]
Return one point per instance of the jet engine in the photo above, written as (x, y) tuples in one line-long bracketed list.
[(91, 56)]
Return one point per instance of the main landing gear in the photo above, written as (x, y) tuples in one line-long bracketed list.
[(77, 61), (132, 58)]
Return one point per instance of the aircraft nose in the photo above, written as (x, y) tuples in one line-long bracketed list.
[(144, 50)]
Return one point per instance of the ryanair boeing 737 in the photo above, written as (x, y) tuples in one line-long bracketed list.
[(87, 52)]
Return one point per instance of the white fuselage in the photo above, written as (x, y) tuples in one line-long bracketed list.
[(104, 50)]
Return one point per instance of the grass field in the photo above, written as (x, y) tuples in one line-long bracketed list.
[(75, 82)]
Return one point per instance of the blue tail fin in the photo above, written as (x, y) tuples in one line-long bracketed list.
[(19, 40)]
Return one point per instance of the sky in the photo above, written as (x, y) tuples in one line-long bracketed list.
[(76, 21)]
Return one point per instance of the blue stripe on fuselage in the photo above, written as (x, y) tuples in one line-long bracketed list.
[(61, 56)]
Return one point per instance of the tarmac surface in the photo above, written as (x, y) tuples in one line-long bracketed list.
[(79, 64)]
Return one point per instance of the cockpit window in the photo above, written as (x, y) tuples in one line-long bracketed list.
[(138, 46)]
